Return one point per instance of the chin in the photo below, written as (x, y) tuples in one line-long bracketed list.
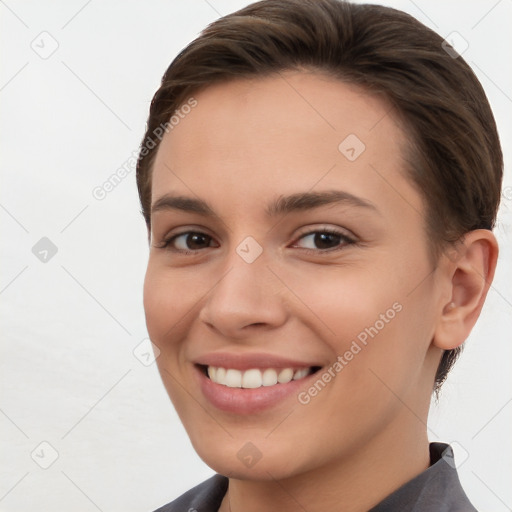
[(247, 460)]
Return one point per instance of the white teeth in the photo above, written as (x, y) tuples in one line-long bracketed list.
[(300, 374), (269, 377), (285, 376), (233, 378), (252, 379), (255, 378), (220, 375)]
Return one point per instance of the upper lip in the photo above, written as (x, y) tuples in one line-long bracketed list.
[(248, 361)]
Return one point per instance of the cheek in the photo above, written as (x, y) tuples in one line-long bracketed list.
[(156, 304), (394, 340), (371, 314), (344, 300), (168, 305), (168, 300)]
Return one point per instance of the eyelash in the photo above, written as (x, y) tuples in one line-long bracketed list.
[(345, 240)]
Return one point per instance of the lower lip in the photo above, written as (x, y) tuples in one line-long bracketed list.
[(248, 401)]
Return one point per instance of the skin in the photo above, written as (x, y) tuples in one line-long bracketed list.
[(246, 143)]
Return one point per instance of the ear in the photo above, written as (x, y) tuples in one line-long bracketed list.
[(470, 273)]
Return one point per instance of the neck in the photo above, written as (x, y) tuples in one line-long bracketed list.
[(359, 481)]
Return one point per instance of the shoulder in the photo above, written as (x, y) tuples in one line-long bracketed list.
[(446, 491), (205, 497), (437, 489)]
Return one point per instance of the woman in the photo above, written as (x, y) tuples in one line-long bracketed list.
[(319, 182)]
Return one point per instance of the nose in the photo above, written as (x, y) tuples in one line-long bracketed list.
[(248, 298)]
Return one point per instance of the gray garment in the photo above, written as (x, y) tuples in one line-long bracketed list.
[(437, 489)]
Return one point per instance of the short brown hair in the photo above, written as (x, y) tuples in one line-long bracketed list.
[(454, 152)]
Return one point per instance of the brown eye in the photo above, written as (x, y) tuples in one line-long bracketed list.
[(188, 241), (324, 240)]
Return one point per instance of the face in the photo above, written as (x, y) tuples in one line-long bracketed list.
[(289, 287)]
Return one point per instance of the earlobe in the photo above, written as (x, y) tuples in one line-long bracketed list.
[(470, 274)]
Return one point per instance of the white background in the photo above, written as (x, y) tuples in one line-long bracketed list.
[(69, 326)]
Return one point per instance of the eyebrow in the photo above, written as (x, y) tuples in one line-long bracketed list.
[(299, 201)]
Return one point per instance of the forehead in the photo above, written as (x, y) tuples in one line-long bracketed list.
[(288, 132)]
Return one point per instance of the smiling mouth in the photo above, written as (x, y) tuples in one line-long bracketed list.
[(254, 378)]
